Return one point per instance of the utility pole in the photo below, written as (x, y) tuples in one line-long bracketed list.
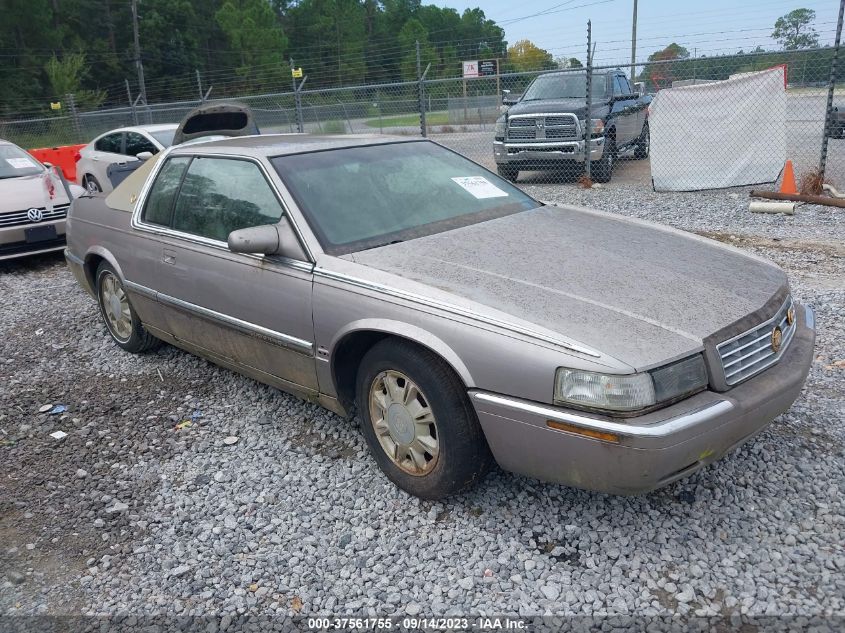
[(634, 45), (588, 121), (138, 63)]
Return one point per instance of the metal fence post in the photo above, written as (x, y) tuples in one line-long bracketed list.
[(421, 92), (588, 121), (830, 86), (131, 103), (74, 116), (297, 100), (199, 87)]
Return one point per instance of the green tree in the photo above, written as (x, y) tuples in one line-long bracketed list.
[(793, 31), (525, 55), (411, 33), (256, 37), (66, 76)]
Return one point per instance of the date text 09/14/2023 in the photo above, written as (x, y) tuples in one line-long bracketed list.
[(416, 624)]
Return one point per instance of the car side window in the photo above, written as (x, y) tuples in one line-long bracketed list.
[(221, 195), (617, 86), (159, 206), (110, 143), (625, 85), (137, 143)]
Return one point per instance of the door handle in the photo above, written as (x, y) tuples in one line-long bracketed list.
[(168, 256)]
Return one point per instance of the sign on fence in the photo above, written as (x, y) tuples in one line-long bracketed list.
[(296, 72), (481, 68)]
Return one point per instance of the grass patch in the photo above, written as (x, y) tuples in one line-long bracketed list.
[(407, 120)]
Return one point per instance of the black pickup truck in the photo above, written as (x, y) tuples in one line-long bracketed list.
[(544, 129)]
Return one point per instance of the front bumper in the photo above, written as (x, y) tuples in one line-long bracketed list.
[(14, 244), (545, 154), (648, 451)]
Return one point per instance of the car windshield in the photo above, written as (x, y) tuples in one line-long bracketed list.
[(364, 197), (165, 137), (564, 86), (15, 162)]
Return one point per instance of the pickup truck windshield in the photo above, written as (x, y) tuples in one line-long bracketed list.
[(564, 86), (363, 197)]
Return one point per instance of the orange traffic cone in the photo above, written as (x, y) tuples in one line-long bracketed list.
[(787, 185)]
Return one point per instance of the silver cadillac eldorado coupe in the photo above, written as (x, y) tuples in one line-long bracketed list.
[(465, 321)]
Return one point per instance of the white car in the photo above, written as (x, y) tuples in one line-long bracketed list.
[(120, 146)]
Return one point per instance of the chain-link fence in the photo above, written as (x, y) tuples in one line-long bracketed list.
[(683, 124)]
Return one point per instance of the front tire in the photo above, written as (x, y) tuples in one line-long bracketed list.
[(122, 323), (507, 172), (602, 170), (643, 146), (418, 422)]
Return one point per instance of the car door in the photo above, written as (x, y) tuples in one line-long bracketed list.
[(108, 149), (622, 111), (249, 310), (636, 106)]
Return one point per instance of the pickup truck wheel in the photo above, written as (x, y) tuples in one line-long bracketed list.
[(643, 146), (602, 170), (507, 172), (90, 183), (418, 422), (123, 324)]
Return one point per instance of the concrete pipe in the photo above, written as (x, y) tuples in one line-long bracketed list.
[(787, 208)]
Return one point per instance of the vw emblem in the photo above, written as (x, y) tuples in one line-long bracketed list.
[(35, 215)]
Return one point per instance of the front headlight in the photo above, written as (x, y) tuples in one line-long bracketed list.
[(630, 392), (596, 127), (499, 130)]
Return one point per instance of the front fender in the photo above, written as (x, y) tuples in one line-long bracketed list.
[(412, 333)]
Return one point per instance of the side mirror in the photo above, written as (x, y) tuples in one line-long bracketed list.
[(144, 155), (258, 240), (268, 239), (509, 99)]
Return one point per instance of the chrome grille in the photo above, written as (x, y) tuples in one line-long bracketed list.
[(530, 128), (19, 218), (522, 129), (751, 352)]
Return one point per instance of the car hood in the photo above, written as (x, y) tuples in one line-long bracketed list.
[(544, 106), (24, 192), (640, 292)]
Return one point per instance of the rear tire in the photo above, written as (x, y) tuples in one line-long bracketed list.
[(643, 146), (91, 184), (119, 316), (602, 170), (418, 422), (507, 172)]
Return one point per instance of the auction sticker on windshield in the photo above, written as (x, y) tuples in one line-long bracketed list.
[(19, 163), (480, 187)]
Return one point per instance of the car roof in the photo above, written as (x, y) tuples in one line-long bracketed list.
[(156, 127), (282, 144)]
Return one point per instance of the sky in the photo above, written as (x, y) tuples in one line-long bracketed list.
[(706, 28)]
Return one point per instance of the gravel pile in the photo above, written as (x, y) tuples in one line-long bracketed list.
[(185, 489)]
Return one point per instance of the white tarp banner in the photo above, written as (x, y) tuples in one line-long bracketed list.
[(722, 134)]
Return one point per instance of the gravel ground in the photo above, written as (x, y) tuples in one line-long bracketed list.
[(136, 512)]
